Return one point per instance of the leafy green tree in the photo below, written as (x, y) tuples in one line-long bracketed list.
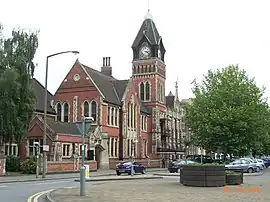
[(17, 99), (228, 113)]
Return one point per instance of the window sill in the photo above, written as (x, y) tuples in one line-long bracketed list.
[(66, 157), (112, 126)]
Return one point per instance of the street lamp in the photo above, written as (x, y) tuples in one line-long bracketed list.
[(82, 169), (45, 147), (133, 154)]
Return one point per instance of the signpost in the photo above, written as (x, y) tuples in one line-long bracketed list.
[(82, 128), (37, 148)]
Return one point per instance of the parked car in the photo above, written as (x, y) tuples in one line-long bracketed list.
[(260, 161), (259, 165), (243, 164), (175, 166), (200, 158), (266, 162), (126, 167)]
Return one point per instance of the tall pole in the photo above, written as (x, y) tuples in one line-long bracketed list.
[(82, 171), (44, 171)]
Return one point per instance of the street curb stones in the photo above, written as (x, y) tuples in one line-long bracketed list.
[(47, 179), (178, 174), (121, 179), (48, 197)]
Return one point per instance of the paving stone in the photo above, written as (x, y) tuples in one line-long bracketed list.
[(165, 191)]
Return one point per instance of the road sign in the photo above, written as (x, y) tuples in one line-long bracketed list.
[(80, 127), (46, 148)]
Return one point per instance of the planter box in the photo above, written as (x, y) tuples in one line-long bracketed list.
[(203, 176), (234, 179)]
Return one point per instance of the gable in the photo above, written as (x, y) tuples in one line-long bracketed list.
[(76, 80)]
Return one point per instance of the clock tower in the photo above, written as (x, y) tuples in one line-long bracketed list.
[(149, 71)]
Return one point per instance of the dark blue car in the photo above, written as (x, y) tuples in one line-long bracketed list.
[(266, 162), (126, 167)]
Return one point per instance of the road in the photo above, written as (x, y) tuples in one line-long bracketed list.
[(20, 191)]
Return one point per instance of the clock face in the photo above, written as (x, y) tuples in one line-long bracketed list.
[(145, 52)]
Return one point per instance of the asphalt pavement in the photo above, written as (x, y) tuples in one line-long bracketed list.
[(12, 190)]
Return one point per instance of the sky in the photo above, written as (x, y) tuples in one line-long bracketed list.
[(198, 35)]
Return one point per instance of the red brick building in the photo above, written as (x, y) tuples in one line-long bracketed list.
[(125, 111)]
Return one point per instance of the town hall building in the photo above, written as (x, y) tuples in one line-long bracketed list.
[(132, 117)]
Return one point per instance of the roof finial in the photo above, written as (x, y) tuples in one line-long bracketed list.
[(148, 15), (176, 89)]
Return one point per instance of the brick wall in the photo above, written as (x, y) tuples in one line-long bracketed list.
[(68, 166), (145, 162)]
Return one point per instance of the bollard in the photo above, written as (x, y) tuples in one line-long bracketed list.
[(82, 181)]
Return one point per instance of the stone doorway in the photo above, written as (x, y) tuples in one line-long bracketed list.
[(98, 154)]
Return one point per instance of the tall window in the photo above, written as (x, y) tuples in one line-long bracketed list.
[(58, 111), (147, 91), (86, 109), (66, 112), (145, 148), (128, 148), (131, 114), (142, 91), (128, 115), (115, 147), (109, 116), (66, 150), (112, 112), (94, 110), (116, 116)]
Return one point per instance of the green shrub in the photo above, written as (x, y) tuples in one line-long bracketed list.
[(232, 173), (12, 163), (29, 166)]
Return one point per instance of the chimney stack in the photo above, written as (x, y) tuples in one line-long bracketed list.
[(106, 68)]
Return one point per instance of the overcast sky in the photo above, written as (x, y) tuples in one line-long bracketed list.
[(197, 34)]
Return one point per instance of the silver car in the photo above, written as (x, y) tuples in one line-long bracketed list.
[(258, 164), (246, 165)]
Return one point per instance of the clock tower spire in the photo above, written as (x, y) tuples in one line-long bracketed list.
[(148, 66)]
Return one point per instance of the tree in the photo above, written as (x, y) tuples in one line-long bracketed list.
[(228, 113), (17, 99)]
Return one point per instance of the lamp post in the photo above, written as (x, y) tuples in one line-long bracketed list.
[(82, 169), (133, 154), (45, 147)]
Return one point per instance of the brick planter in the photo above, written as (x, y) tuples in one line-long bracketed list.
[(234, 179), (203, 176)]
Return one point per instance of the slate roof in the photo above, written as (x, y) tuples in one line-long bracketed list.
[(39, 93), (66, 128), (170, 100), (112, 89), (149, 30)]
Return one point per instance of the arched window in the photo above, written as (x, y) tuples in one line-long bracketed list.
[(86, 109), (131, 115), (66, 112), (128, 115), (147, 91), (142, 91), (94, 110), (58, 111)]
